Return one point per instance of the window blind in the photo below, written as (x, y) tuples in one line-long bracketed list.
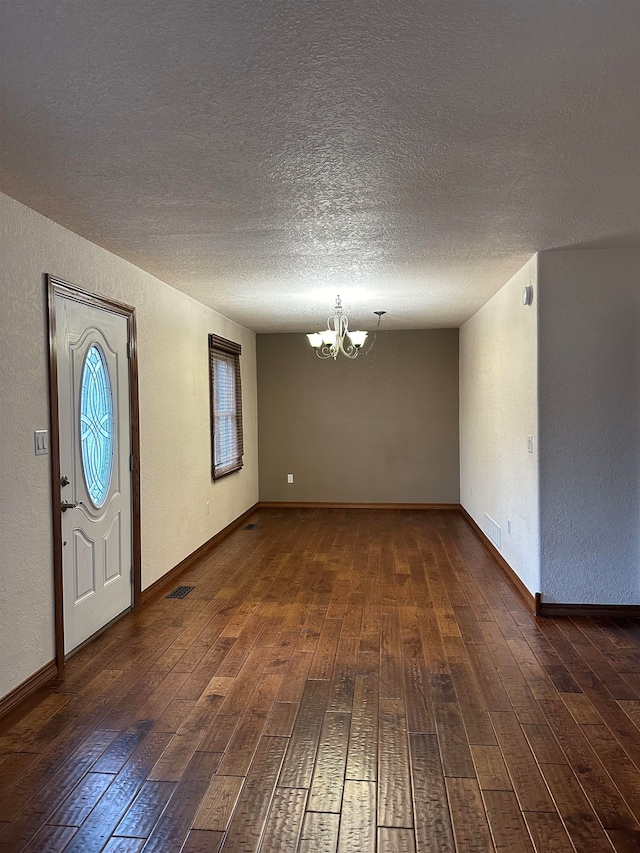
[(226, 406)]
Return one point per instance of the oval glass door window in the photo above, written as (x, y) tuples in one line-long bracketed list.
[(96, 426)]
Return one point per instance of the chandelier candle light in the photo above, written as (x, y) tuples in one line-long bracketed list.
[(337, 338)]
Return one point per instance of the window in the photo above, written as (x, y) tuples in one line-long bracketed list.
[(226, 406), (96, 426)]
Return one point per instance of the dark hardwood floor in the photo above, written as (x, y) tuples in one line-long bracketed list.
[(339, 681)]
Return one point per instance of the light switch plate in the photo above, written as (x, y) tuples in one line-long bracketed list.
[(530, 444), (41, 442), (289, 478)]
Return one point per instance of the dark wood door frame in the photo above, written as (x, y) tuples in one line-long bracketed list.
[(57, 287)]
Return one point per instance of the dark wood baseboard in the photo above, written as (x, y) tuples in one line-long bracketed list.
[(610, 611), (339, 505), (23, 691), (170, 578), (528, 597)]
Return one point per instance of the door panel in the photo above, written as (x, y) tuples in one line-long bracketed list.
[(84, 567), (113, 552), (95, 448)]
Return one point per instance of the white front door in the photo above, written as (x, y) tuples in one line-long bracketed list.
[(95, 451)]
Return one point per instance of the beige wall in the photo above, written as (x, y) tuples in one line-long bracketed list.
[(498, 410), (174, 423), (380, 429)]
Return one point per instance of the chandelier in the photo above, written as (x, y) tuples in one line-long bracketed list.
[(337, 338)]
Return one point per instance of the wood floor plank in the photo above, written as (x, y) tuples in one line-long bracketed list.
[(470, 826), (100, 824), (253, 805), (362, 755), (298, 765), (218, 803), (200, 841), (42, 801), (495, 696), (295, 677), (472, 704), (619, 766), (394, 786), (358, 821), (581, 822), (520, 696), (319, 833), (82, 799), (13, 766), (119, 751), (420, 716), (507, 825), (174, 760), (123, 845), (239, 695), (50, 839), (456, 753), (431, 809), (548, 833), (172, 828), (527, 781), (173, 715), (325, 653), (246, 736), (491, 770), (605, 798), (219, 734), (143, 814), (327, 782), (543, 744), (284, 823), (393, 840), (343, 679), (75, 755), (391, 675), (361, 681), (282, 719), (624, 840)]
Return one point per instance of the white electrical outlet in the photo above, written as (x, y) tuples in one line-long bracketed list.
[(207, 507), (289, 478), (508, 525), (529, 444)]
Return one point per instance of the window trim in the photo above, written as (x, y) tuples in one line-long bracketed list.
[(227, 348)]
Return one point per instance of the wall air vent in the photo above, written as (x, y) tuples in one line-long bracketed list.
[(250, 527), (493, 531)]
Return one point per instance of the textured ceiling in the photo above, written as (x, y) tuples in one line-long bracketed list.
[(265, 155)]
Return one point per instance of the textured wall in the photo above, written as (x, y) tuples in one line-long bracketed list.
[(590, 425), (380, 429), (498, 410), (174, 421)]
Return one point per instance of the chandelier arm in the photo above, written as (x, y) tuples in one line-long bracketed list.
[(323, 352), (349, 350)]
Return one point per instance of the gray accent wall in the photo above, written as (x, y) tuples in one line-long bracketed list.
[(380, 429)]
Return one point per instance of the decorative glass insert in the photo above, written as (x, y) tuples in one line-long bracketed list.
[(96, 425)]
